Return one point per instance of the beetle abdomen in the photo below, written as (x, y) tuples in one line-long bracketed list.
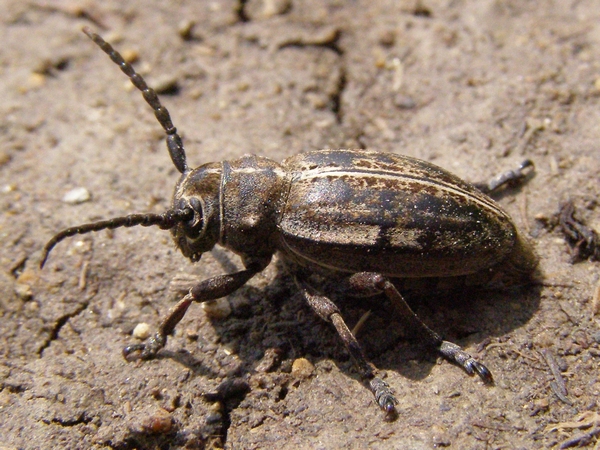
[(354, 210)]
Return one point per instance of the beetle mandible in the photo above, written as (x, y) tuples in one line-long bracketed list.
[(361, 217)]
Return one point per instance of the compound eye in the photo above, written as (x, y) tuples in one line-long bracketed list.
[(196, 205), (193, 227)]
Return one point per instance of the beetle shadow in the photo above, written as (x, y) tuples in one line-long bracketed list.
[(275, 319), (467, 316), (470, 317)]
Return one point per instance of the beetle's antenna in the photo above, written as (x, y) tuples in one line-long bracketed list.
[(165, 221), (174, 142)]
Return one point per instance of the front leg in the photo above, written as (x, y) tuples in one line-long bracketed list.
[(211, 289)]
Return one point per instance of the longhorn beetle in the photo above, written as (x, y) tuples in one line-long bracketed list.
[(362, 218)]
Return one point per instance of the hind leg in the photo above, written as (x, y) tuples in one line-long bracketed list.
[(367, 283)]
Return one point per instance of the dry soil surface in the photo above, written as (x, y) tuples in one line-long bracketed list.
[(475, 86)]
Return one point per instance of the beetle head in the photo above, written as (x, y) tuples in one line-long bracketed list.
[(198, 191)]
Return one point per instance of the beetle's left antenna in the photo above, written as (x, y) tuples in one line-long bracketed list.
[(174, 142)]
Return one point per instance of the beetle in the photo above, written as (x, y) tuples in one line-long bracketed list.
[(365, 219)]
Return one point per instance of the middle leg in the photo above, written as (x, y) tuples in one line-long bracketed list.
[(329, 312)]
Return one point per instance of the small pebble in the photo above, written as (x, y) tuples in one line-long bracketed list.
[(159, 423), (23, 291), (270, 359), (192, 333), (5, 158), (216, 413), (302, 368), (130, 55), (217, 309), (387, 38), (440, 437), (404, 102), (265, 9), (276, 7), (76, 196), (28, 276), (167, 84), (34, 81), (141, 331), (185, 29)]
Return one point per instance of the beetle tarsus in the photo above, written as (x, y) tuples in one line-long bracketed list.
[(148, 350), (371, 283), (447, 349), (384, 397), (509, 178), (367, 283), (456, 354), (482, 371)]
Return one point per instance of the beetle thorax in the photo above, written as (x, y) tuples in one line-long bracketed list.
[(236, 204), (252, 191)]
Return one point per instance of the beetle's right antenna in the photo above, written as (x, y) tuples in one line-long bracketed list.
[(165, 221), (174, 142)]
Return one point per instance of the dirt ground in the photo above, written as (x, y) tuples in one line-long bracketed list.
[(475, 86)]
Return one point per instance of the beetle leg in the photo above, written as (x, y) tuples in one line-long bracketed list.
[(329, 312), (211, 289), (367, 282), (510, 177)]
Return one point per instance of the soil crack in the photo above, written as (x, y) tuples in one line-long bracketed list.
[(61, 323), (80, 419)]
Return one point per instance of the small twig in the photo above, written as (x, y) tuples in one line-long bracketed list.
[(584, 241), (552, 283), (559, 394), (580, 440), (558, 386), (596, 300), (83, 275), (360, 323)]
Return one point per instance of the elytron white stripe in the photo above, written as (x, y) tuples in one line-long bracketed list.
[(225, 167), (322, 172)]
